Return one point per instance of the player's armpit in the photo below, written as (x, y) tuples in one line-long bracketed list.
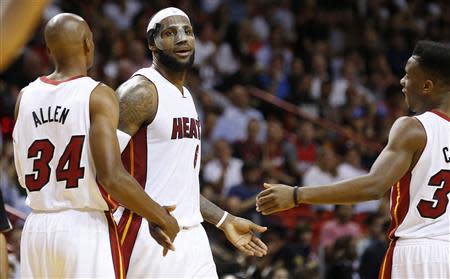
[(407, 139), (138, 101)]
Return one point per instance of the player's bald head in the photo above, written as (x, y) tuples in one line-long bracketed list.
[(67, 34)]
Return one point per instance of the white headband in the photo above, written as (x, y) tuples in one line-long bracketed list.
[(159, 16)]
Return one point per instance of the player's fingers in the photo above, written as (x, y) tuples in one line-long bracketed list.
[(170, 208), (257, 228), (247, 250), (165, 250), (267, 185), (261, 244), (164, 239), (256, 250), (270, 209), (263, 193), (266, 204), (265, 198)]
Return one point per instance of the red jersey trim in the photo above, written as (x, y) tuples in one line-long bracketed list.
[(57, 82), (399, 203), (438, 113)]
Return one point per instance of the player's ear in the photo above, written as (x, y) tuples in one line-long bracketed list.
[(428, 87), (86, 45)]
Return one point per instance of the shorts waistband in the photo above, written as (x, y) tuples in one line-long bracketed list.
[(420, 241)]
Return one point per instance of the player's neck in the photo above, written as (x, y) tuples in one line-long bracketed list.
[(444, 107), (176, 78), (67, 71)]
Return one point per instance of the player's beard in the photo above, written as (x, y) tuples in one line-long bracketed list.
[(172, 63)]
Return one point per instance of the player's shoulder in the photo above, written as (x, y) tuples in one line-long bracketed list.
[(408, 131), (408, 125), (137, 85), (102, 91), (102, 96)]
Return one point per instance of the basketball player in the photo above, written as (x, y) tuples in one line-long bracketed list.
[(158, 114), (416, 161), (66, 153)]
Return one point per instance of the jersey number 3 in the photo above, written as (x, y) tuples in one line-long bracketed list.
[(68, 169), (437, 207)]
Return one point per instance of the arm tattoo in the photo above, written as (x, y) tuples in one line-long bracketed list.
[(210, 212), (138, 101)]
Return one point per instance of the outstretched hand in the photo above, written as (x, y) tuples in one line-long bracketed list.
[(160, 236), (275, 198), (241, 233)]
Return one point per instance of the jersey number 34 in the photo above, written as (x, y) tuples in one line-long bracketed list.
[(68, 168)]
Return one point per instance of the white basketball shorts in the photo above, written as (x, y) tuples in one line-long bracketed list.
[(143, 257), (417, 258), (70, 244)]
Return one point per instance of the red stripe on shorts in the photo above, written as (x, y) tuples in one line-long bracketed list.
[(386, 267), (134, 158), (115, 247)]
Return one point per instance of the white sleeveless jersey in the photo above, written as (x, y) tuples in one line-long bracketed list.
[(51, 145), (165, 155), (420, 205)]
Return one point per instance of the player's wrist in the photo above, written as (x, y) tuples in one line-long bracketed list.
[(226, 219)]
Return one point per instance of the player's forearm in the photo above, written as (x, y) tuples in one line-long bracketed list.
[(210, 212), (128, 193), (355, 190)]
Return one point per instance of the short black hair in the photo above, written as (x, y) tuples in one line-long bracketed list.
[(434, 57)]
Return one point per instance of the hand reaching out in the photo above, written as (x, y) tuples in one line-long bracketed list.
[(241, 233), (275, 198)]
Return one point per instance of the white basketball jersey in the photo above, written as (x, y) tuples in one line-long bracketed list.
[(51, 145), (420, 200), (165, 155)]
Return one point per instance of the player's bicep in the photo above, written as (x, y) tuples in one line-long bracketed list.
[(104, 113), (406, 139), (138, 100)]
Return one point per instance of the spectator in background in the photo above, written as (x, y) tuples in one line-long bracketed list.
[(342, 259), (352, 167), (279, 158), (250, 149), (375, 246), (306, 146), (241, 198), (207, 143), (341, 225), (324, 171), (232, 124), (224, 171)]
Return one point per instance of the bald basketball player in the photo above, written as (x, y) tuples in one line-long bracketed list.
[(160, 127), (67, 157), (415, 164)]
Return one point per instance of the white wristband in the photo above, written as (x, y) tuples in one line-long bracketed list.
[(123, 139), (223, 219)]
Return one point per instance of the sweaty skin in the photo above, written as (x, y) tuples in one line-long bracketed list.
[(69, 42), (138, 107)]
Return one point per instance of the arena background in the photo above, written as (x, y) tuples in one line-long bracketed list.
[(296, 92)]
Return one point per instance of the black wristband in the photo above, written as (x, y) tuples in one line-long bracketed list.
[(295, 195)]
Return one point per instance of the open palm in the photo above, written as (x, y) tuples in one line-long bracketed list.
[(241, 233)]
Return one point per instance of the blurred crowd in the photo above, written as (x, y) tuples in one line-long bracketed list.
[(338, 61)]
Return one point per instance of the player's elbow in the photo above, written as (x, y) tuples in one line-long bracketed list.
[(375, 189), (109, 180)]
